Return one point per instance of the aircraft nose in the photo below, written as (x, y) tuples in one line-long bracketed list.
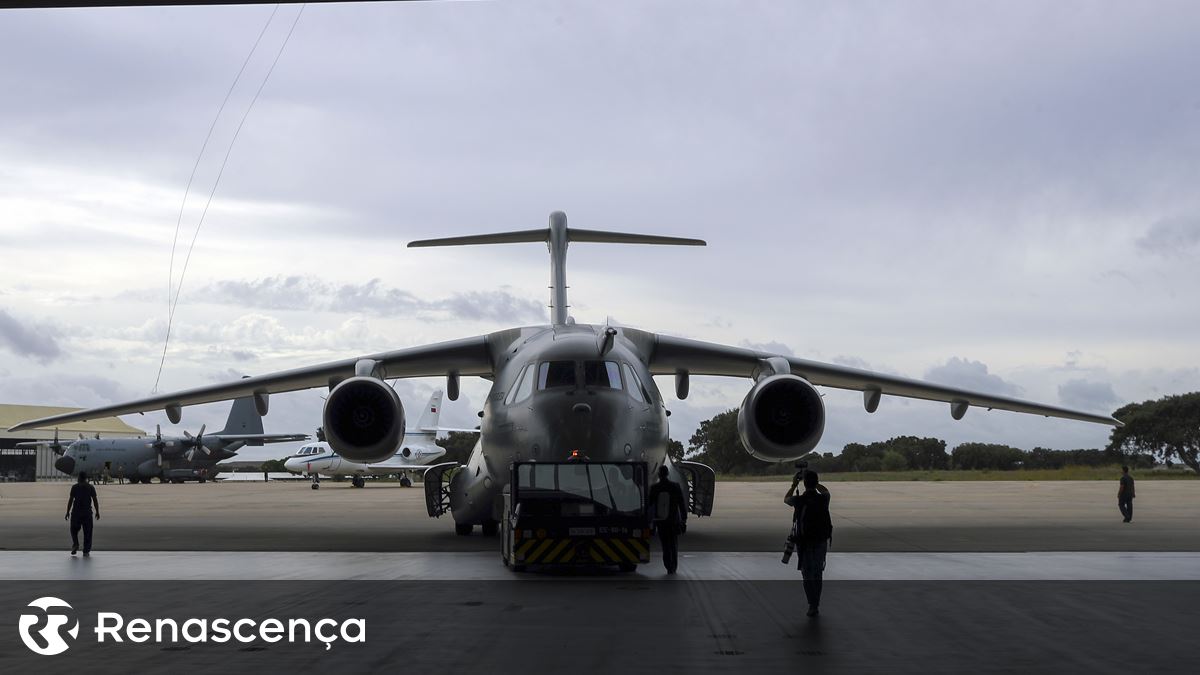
[(65, 464)]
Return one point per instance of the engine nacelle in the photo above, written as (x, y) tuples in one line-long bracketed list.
[(782, 418), (364, 420)]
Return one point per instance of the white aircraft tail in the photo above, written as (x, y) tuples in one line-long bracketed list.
[(431, 414), (556, 237)]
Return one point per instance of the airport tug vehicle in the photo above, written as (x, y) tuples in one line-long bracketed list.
[(576, 513)]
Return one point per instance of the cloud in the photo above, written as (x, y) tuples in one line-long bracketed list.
[(303, 292), (1171, 236), (972, 375), (1087, 395), (36, 342), (66, 390), (770, 346)]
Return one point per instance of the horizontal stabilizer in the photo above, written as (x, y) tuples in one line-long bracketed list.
[(557, 237), (573, 235), (601, 236), (524, 236)]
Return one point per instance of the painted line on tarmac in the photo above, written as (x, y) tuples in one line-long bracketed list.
[(444, 566)]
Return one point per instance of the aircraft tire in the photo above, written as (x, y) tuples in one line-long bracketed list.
[(203, 480), (316, 486), (405, 481), (463, 529), (490, 528), (627, 567), (358, 481)]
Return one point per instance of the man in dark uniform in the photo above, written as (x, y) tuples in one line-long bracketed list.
[(814, 531), (669, 516), (79, 512), (1125, 494)]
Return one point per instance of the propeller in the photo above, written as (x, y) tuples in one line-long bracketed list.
[(159, 444), (196, 441)]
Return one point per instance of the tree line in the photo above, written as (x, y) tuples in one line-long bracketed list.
[(1164, 430)]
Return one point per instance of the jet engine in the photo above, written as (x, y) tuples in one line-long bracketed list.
[(364, 419), (782, 418)]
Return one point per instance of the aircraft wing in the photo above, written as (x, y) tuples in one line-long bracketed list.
[(672, 354), (385, 469), (49, 444), (467, 356), (259, 438)]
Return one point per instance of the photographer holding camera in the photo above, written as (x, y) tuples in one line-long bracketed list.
[(812, 531)]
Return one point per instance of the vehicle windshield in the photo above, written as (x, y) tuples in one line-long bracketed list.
[(600, 488)]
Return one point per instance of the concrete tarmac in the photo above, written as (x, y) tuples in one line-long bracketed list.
[(924, 577), (868, 516)]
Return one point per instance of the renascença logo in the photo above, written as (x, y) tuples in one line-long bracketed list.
[(111, 626), (51, 634)]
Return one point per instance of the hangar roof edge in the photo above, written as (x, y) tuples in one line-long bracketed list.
[(11, 414)]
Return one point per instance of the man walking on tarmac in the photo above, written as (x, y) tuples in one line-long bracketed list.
[(669, 516), (1125, 495), (813, 532), (79, 512)]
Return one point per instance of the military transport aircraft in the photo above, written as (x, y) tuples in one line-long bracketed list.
[(416, 454), (171, 458), (570, 388)]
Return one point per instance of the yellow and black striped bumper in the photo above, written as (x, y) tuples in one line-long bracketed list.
[(582, 551)]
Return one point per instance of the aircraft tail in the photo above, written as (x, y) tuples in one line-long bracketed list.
[(432, 413), (243, 418), (556, 237)]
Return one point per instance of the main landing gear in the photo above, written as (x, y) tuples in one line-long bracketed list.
[(358, 481), (405, 481)]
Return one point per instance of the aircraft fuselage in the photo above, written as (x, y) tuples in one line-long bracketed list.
[(132, 457), (554, 394)]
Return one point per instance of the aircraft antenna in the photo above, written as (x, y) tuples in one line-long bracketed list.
[(557, 236), (172, 304)]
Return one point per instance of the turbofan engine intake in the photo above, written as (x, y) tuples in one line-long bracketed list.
[(781, 419), (364, 419)]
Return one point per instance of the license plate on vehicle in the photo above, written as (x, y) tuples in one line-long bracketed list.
[(581, 531)]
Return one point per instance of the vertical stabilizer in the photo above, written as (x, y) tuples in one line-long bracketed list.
[(243, 418), (432, 413), (557, 236)]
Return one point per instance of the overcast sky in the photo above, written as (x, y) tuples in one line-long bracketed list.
[(1000, 196)]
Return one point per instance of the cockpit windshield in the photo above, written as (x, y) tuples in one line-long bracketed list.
[(556, 374), (601, 374)]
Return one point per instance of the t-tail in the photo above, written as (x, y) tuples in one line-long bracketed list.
[(556, 237), (432, 413)]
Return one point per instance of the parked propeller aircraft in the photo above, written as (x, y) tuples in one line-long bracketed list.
[(417, 452), (569, 389), (171, 458)]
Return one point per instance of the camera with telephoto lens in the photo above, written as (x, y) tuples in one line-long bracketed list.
[(789, 544)]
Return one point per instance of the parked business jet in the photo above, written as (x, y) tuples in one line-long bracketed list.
[(416, 453)]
